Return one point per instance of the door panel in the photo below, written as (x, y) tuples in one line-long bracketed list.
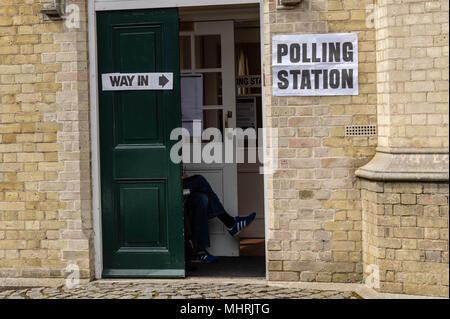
[(141, 125), (142, 215), (142, 202)]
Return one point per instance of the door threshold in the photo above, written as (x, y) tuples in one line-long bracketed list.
[(144, 273), (213, 280)]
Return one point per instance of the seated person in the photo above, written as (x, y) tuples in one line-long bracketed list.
[(205, 205)]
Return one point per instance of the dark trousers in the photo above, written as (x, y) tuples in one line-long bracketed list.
[(204, 204)]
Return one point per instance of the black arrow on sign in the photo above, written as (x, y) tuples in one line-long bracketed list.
[(163, 81)]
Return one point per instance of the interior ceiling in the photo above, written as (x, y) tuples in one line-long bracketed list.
[(230, 7), (243, 12)]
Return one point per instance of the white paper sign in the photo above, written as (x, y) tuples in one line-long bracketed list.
[(192, 102), (137, 81), (246, 112), (315, 64)]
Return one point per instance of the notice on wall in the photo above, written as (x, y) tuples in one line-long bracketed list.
[(246, 112), (192, 102), (315, 64), (137, 81)]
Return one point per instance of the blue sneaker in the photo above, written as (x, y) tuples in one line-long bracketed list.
[(241, 224), (204, 257)]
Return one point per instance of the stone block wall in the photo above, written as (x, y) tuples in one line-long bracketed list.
[(314, 205), (405, 236), (45, 206)]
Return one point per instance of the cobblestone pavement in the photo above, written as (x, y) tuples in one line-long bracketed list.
[(173, 290)]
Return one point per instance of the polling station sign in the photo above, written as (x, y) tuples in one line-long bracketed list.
[(315, 64), (137, 81)]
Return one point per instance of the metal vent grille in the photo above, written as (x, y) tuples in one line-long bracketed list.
[(287, 4), (361, 130)]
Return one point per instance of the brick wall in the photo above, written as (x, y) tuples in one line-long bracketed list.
[(314, 207), (322, 227), (45, 208), (405, 236)]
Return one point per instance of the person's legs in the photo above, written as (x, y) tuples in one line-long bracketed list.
[(226, 219), (235, 225), (198, 203), (199, 184)]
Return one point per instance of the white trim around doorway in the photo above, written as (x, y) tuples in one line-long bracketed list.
[(103, 5)]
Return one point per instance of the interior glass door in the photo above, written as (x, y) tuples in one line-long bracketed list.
[(207, 51)]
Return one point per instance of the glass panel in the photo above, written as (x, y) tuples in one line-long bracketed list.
[(208, 52), (212, 118), (248, 57), (185, 53), (212, 88)]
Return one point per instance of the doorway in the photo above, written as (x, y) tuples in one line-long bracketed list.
[(225, 52), (129, 195)]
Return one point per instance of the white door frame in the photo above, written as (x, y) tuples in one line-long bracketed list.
[(101, 5)]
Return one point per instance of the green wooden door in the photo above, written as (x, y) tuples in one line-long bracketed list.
[(142, 220)]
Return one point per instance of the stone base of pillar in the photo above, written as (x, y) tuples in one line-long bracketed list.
[(405, 226), (405, 237)]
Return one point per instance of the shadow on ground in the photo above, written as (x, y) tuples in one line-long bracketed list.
[(244, 266)]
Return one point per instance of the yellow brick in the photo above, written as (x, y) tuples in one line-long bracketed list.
[(48, 87), (334, 5), (337, 131), (28, 176), (338, 15), (21, 20), (10, 69), (13, 244), (5, 21), (47, 28), (41, 48), (11, 49), (336, 142), (25, 30), (358, 15), (12, 206), (27, 39)]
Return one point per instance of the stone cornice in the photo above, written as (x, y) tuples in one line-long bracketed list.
[(407, 165)]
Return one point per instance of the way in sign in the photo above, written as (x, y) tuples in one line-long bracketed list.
[(137, 81)]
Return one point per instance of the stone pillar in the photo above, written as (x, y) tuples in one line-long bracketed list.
[(404, 187)]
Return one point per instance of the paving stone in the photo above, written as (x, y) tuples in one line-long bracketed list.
[(174, 291), (212, 296), (329, 293)]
